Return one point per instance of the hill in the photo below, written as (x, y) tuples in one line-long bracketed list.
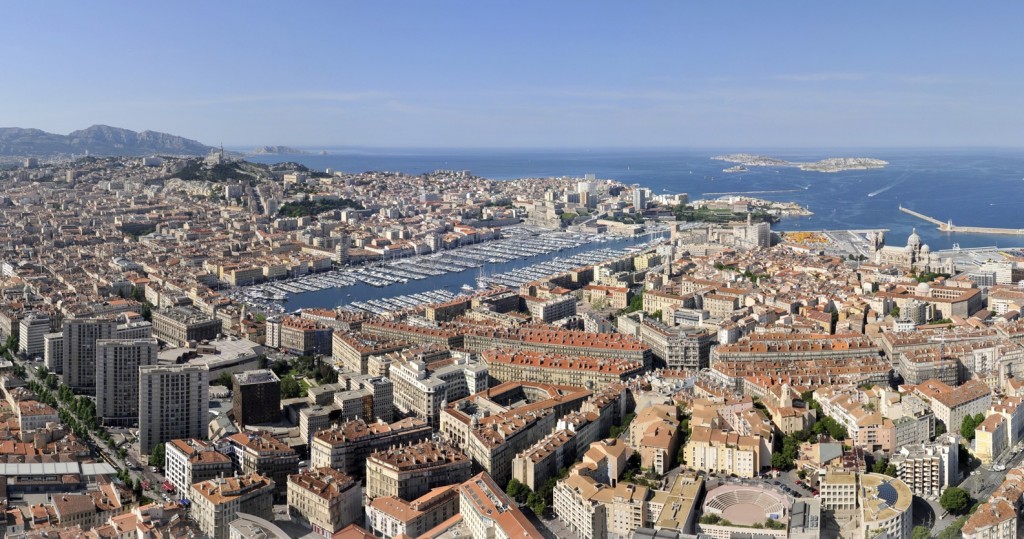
[(100, 140)]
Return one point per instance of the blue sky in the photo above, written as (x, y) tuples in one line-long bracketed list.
[(523, 74)]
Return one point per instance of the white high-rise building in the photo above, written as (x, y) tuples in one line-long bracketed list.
[(174, 401), (80, 336), (117, 378), (33, 327)]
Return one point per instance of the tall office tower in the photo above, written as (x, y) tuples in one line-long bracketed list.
[(174, 401), (117, 378), (256, 397), (640, 197), (34, 327), (80, 336)]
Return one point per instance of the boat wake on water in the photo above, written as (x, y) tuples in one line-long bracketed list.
[(898, 181)]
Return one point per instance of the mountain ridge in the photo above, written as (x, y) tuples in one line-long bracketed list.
[(100, 140)]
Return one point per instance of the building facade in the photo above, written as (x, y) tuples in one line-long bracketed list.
[(174, 402), (410, 471), (256, 397), (190, 461), (117, 378), (326, 499), (215, 503)]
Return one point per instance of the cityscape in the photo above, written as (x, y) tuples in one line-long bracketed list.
[(400, 333)]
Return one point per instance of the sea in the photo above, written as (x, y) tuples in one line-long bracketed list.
[(970, 186), (976, 187)]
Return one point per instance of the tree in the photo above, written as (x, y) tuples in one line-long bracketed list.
[(879, 466), (536, 503), (891, 470), (955, 500), (517, 491), (636, 302), (780, 462), (223, 380), (156, 456), (940, 428), (147, 311), (290, 388), (967, 427), (921, 532), (895, 312)]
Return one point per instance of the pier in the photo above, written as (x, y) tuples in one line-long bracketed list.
[(950, 227)]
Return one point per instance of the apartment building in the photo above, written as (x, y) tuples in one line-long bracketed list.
[(325, 499), (410, 471), (952, 404), (215, 503), (352, 350), (301, 336), (557, 341), (558, 369), (927, 469), (347, 446), (32, 330), (79, 358), (990, 438), (117, 378), (190, 461), (177, 326), (492, 435), (594, 510), (263, 454), (421, 389), (174, 402), (533, 466), (552, 309), (654, 434), (390, 516), (676, 347), (715, 450), (34, 415), (489, 512)]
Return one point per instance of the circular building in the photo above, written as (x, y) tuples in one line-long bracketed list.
[(736, 510), (885, 504)]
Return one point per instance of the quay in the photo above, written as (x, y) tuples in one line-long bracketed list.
[(950, 227)]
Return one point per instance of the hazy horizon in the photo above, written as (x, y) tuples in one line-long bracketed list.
[(523, 76)]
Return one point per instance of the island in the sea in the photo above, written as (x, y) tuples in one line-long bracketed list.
[(278, 150), (832, 164)]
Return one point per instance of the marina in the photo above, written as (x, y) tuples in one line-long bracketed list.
[(522, 254)]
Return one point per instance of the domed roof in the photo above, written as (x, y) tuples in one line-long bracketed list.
[(922, 289), (914, 240), (926, 249)]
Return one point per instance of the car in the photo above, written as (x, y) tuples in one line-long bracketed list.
[(975, 472), (776, 482)]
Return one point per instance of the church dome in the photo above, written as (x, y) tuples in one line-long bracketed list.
[(925, 249), (914, 240), (922, 289)]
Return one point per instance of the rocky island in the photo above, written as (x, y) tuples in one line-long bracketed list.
[(278, 150), (832, 164)]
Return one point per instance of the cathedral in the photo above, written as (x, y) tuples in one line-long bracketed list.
[(915, 256)]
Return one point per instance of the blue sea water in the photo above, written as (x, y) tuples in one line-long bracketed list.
[(971, 186)]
